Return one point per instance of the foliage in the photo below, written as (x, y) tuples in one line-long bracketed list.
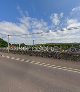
[(3, 43)]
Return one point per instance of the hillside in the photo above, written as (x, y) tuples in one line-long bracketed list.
[(3, 43)]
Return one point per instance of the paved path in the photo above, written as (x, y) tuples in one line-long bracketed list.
[(18, 74)]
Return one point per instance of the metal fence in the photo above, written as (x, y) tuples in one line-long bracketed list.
[(56, 53)]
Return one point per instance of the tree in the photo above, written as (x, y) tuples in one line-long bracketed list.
[(3, 43)]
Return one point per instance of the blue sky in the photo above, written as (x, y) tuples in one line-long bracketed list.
[(26, 16), (40, 9)]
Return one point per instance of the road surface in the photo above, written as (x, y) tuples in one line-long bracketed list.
[(20, 75)]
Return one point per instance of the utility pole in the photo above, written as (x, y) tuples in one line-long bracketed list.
[(19, 45), (8, 43), (33, 42)]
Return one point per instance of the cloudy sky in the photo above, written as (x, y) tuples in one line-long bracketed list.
[(57, 20)]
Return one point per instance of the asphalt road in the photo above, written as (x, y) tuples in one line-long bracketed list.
[(22, 76)]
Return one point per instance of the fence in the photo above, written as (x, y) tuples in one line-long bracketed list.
[(74, 56)]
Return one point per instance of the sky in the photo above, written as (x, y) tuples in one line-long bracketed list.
[(58, 21)]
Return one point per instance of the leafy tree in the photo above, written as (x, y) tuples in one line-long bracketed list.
[(3, 43)]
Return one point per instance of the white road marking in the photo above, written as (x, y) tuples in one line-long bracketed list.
[(67, 69), (3, 56), (70, 69), (61, 68), (37, 63), (74, 69), (32, 61), (18, 59), (22, 60), (7, 57), (13, 58), (64, 67), (27, 61), (48, 65), (77, 69), (53, 65), (58, 66), (42, 64)]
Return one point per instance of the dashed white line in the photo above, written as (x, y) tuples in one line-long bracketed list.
[(37, 63), (74, 69), (18, 59), (27, 61), (13, 58), (61, 68), (42, 63), (3, 56), (77, 69), (76, 72), (22, 60), (70, 68), (64, 67), (58, 66), (67, 69), (48, 65), (53, 65), (32, 61), (7, 57)]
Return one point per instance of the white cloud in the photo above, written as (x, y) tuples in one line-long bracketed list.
[(75, 13), (22, 27), (26, 24), (61, 15), (72, 23), (39, 26), (11, 27), (76, 9), (56, 18)]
